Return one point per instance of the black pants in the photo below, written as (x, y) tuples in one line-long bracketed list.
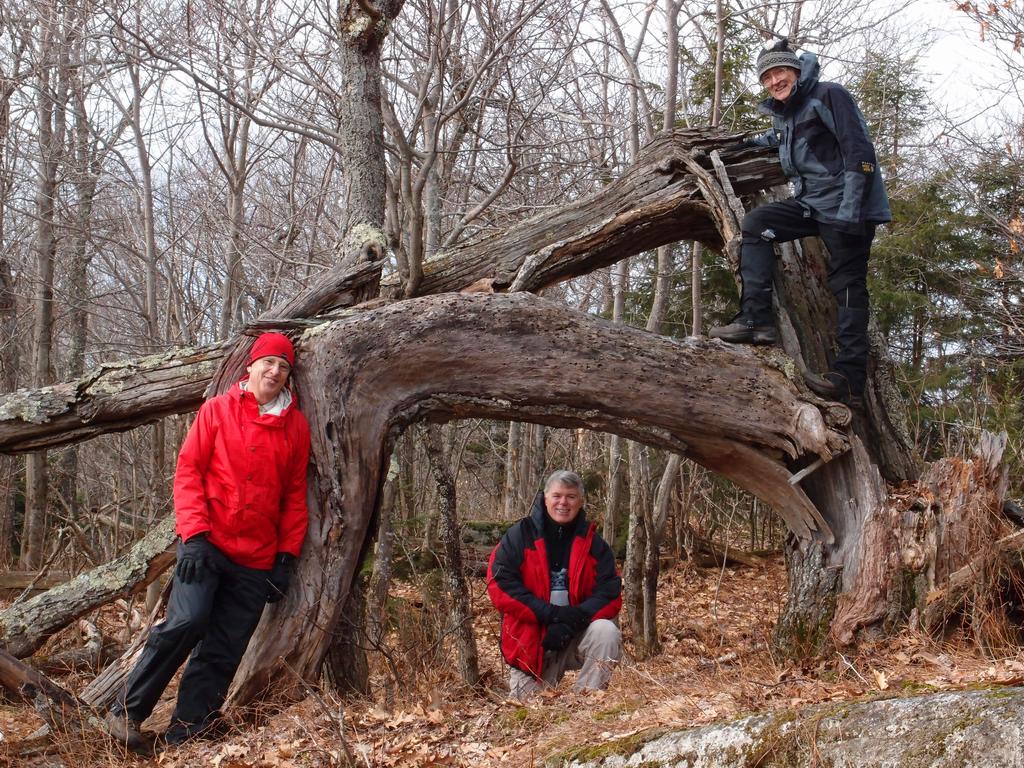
[(847, 277), (213, 620)]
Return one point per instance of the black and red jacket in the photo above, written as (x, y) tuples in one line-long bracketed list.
[(519, 584)]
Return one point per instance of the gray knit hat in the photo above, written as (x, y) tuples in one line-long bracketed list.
[(778, 55)]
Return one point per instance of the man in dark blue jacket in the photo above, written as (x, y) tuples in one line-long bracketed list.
[(829, 159)]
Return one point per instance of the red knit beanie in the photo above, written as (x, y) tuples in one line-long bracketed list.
[(276, 344)]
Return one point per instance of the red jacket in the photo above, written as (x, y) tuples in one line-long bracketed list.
[(519, 584), (241, 478)]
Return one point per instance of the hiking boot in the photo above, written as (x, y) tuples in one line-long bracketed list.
[(125, 732), (743, 331), (180, 732), (833, 386)]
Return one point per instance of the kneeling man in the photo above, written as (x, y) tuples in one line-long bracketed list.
[(554, 580)]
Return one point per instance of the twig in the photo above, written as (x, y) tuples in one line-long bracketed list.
[(852, 668), (338, 725)]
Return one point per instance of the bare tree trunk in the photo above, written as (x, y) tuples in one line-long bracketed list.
[(609, 530), (231, 288), (615, 463), (383, 558), (51, 99), (531, 463), (8, 369), (513, 504), (346, 664), (455, 573), (696, 289), (654, 528), (159, 489), (86, 178), (716, 104), (636, 544)]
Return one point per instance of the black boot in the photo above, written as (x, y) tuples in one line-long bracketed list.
[(744, 331), (179, 732), (853, 344), (834, 386), (754, 324)]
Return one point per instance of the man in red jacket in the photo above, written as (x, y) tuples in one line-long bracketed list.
[(240, 514), (554, 580)]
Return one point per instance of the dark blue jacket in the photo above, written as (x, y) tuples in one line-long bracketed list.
[(826, 152)]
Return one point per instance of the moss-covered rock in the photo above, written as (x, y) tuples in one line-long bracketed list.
[(966, 729)]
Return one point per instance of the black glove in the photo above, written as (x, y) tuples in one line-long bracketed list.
[(577, 618), (194, 560), (558, 637), (280, 576)]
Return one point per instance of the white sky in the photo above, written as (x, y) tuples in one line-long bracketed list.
[(968, 80)]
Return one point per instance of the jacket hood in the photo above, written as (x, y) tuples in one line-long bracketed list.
[(810, 71)]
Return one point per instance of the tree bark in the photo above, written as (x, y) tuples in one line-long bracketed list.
[(615, 461), (655, 202), (636, 545), (60, 709), (347, 664), (383, 557), (8, 369), (50, 111), (512, 504)]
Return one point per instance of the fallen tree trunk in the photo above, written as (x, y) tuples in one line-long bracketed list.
[(655, 202), (92, 656), (970, 729), (127, 394), (732, 409), (24, 627), (62, 711), (658, 200)]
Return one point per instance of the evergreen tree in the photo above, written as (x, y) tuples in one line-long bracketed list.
[(894, 102)]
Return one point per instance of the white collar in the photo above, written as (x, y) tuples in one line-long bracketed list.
[(276, 406)]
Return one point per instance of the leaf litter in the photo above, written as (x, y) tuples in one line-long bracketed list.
[(716, 662)]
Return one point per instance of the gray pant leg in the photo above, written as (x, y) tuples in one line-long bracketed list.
[(598, 652), (522, 685), (595, 653)]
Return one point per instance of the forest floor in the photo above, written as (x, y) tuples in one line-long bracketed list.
[(716, 663)]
